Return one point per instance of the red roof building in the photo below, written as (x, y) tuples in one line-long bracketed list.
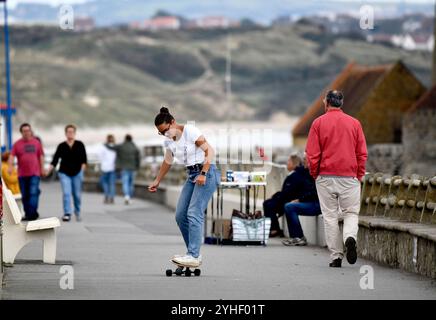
[(376, 95), (162, 23), (427, 101)]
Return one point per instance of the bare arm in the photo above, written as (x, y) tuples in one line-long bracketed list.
[(41, 162), (164, 168), (209, 154), (54, 161)]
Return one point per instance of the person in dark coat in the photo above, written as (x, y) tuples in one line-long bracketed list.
[(72, 154), (128, 161), (307, 204), (273, 208)]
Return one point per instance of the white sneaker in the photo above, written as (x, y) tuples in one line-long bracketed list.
[(188, 260), (126, 200), (182, 255)]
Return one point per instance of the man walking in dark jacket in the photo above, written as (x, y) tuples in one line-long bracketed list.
[(128, 161), (274, 207)]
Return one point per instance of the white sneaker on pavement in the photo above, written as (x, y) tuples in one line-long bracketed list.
[(188, 260)]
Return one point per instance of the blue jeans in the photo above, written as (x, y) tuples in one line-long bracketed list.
[(128, 179), (108, 183), (29, 187), (191, 206), (71, 186), (295, 209)]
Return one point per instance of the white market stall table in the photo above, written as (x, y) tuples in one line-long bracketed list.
[(241, 186)]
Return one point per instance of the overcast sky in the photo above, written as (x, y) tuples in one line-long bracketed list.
[(12, 3)]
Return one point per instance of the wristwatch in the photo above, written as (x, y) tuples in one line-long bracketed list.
[(203, 173)]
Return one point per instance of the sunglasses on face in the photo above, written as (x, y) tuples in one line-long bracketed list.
[(162, 133)]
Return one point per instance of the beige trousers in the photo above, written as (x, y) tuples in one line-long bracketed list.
[(339, 198)]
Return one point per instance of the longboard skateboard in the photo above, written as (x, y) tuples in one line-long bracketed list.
[(183, 270)]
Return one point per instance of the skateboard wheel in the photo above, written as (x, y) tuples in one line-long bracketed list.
[(169, 272), (188, 272), (197, 272), (179, 271)]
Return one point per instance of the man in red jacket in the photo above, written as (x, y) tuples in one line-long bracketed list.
[(336, 153)]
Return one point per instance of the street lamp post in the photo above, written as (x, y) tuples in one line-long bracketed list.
[(8, 79), (228, 86), (9, 125)]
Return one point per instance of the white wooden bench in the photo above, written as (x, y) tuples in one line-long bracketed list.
[(17, 234), (19, 200)]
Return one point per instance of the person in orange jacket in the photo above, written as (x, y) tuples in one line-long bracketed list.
[(11, 180)]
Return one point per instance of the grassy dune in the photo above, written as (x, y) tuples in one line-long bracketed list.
[(119, 77)]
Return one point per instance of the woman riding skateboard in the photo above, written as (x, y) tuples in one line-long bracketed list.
[(188, 146)]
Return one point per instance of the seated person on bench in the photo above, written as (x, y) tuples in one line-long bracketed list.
[(274, 207), (307, 204), (11, 180)]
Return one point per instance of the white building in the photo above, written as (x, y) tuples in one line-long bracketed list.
[(213, 22), (414, 42)]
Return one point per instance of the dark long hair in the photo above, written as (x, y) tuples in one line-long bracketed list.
[(164, 116)]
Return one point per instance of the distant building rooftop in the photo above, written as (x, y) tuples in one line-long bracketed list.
[(356, 83), (427, 101)]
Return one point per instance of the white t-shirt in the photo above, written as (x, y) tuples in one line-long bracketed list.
[(107, 159), (184, 150)]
